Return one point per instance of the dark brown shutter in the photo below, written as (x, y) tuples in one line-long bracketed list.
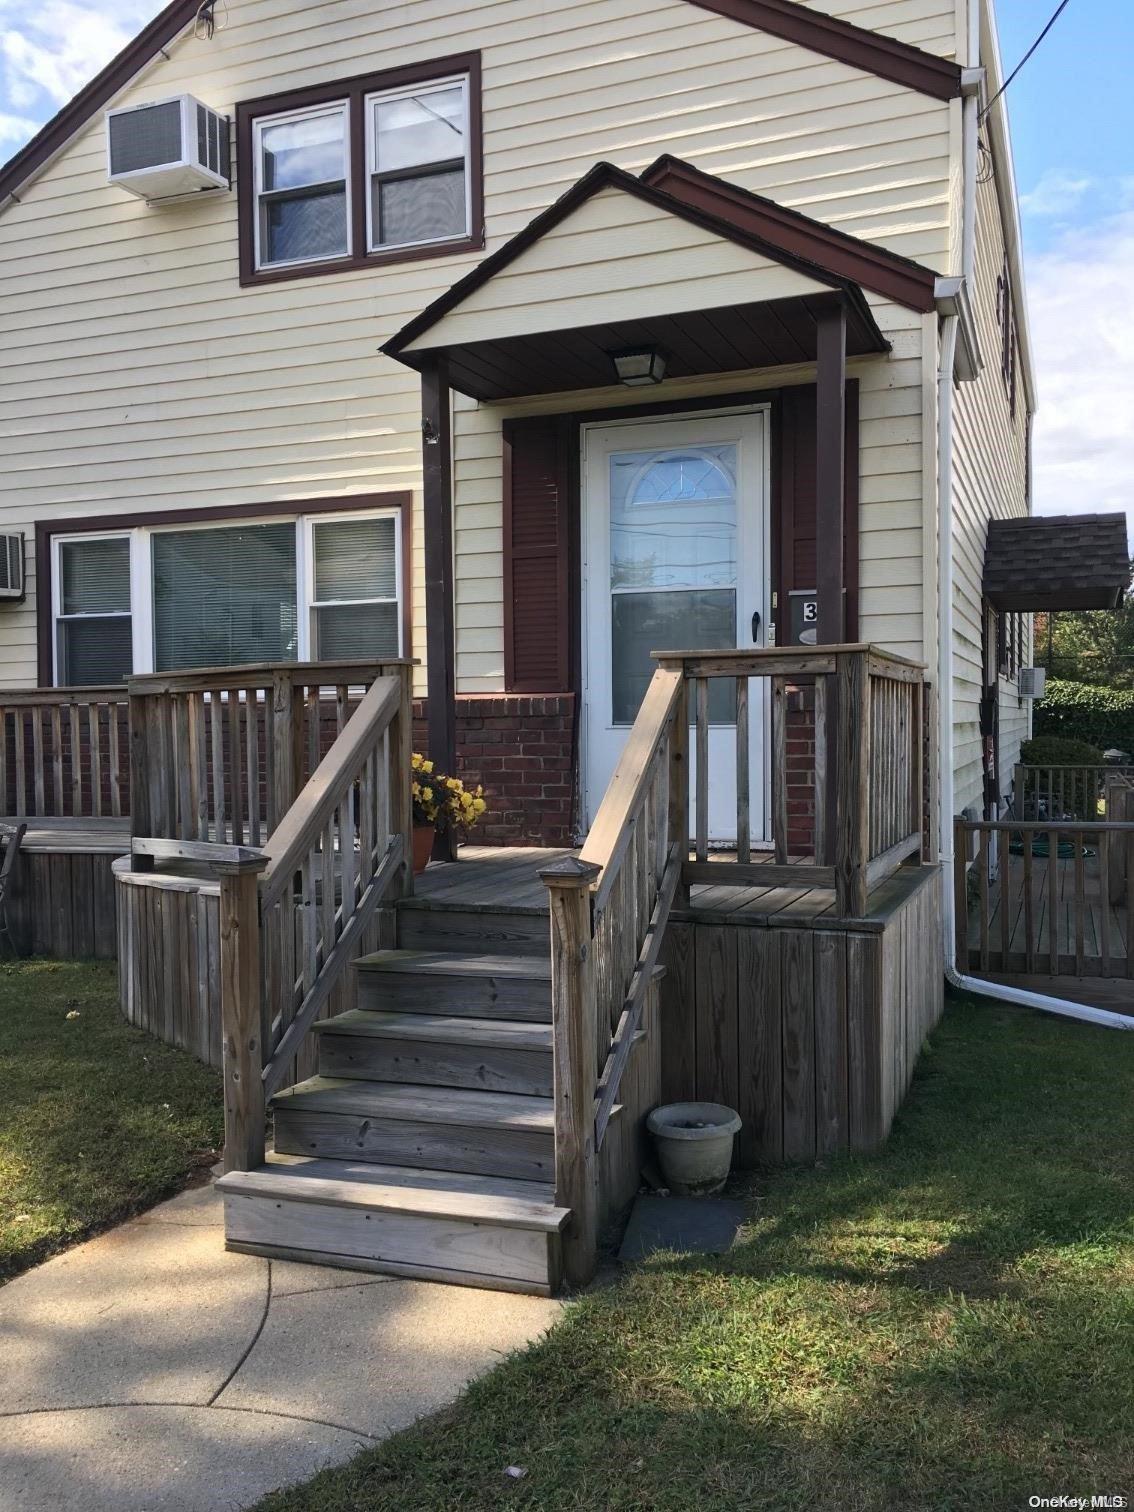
[(795, 499), (536, 555)]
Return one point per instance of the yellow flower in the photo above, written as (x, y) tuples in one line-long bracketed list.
[(479, 805), (427, 795), (427, 766)]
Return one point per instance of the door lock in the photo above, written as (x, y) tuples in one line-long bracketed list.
[(756, 627)]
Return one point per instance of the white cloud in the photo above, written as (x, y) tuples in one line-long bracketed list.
[(1056, 194), (1081, 299), (15, 130), (49, 51)]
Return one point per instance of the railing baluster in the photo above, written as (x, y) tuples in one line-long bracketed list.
[(779, 770), (1029, 903), (982, 885), (702, 687), (252, 762), (1053, 900), (37, 757), (822, 773), (21, 789), (114, 759), (216, 733), (743, 829), (1104, 902), (1004, 853), (1080, 901)]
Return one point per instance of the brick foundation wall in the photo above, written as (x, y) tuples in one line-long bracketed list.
[(520, 747)]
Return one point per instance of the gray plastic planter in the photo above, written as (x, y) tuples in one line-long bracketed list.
[(694, 1145)]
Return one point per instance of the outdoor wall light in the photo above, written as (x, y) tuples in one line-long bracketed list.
[(639, 369)]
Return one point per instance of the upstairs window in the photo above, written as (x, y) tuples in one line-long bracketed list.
[(419, 165), (302, 192), (362, 171)]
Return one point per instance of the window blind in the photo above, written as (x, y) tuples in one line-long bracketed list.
[(225, 596)]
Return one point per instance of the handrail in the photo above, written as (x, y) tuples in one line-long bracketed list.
[(606, 841), (253, 674), (305, 820), (294, 912)]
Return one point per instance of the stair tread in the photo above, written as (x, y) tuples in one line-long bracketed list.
[(401, 1189), (503, 1034), (455, 1105), (453, 963)]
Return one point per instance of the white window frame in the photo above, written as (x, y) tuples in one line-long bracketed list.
[(309, 522), (141, 576), (57, 615), (284, 118), (415, 91)]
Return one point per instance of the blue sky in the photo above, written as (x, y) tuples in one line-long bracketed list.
[(1072, 115)]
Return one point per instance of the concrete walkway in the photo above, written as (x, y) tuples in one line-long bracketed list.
[(149, 1370)]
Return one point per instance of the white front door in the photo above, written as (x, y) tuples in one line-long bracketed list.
[(675, 557)]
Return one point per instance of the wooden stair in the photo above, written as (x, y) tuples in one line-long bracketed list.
[(425, 1146)]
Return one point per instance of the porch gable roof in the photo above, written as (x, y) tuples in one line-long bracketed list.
[(1044, 562), (702, 278)]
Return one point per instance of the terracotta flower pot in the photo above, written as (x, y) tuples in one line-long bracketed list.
[(422, 847)]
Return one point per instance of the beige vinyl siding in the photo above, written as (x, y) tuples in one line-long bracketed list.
[(890, 494), (989, 482), (614, 258), (137, 373), (928, 24)]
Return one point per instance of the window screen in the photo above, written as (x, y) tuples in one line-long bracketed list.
[(419, 165), (94, 628), (224, 597), (301, 187), (354, 611)]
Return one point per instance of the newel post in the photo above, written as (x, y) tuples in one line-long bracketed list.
[(575, 1052), (240, 1012), (400, 775), (852, 777)]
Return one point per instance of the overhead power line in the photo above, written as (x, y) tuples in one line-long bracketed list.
[(1055, 17)]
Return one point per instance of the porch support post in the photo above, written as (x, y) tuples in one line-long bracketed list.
[(830, 494), (830, 480), (437, 473)]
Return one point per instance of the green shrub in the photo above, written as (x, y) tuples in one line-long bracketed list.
[(1059, 750), (1104, 717)]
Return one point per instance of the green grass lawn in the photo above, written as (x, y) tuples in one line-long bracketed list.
[(947, 1326), (97, 1120)]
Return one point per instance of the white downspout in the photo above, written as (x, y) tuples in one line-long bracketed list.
[(949, 325)]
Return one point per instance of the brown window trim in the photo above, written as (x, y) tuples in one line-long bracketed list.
[(354, 91), (47, 530)]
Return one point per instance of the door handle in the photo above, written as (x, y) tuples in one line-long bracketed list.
[(756, 627)]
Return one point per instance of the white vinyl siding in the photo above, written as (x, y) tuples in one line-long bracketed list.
[(181, 389)]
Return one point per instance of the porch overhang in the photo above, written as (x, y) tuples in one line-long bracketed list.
[(769, 333), (717, 278), (1051, 562)]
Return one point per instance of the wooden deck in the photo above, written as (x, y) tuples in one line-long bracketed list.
[(1065, 929), (487, 879)]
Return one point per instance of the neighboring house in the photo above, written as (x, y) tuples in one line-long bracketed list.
[(214, 439)]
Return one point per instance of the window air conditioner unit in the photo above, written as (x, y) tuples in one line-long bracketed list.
[(1032, 680), (167, 149), (12, 565)]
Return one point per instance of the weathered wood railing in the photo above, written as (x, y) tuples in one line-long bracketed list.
[(610, 906), (1064, 792), (866, 776), (293, 911), (1045, 899), (64, 753), (221, 754)]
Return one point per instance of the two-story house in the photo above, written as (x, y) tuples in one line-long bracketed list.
[(527, 341)]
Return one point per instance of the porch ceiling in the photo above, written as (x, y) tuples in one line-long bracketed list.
[(1044, 562), (769, 333)]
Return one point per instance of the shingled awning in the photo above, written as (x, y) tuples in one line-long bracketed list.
[(1057, 562)]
